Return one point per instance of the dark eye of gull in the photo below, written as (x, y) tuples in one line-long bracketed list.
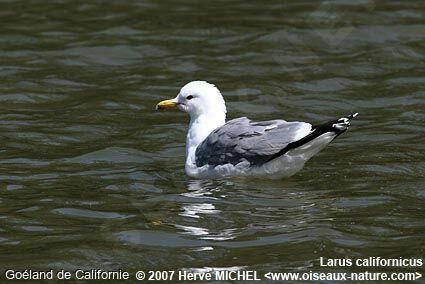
[(189, 97)]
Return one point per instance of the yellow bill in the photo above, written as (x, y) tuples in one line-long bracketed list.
[(166, 104)]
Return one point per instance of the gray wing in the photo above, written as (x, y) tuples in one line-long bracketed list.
[(242, 140)]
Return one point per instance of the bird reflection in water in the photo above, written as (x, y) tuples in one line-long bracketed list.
[(205, 195)]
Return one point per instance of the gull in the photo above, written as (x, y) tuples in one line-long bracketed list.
[(243, 147)]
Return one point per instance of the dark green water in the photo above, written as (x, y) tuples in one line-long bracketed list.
[(92, 177)]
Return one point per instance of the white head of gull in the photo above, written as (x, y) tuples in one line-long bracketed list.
[(242, 147), (207, 110)]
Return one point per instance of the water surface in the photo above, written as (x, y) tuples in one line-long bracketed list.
[(92, 177)]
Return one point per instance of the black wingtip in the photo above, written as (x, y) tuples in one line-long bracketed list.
[(353, 115)]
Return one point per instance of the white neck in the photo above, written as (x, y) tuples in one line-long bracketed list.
[(199, 128)]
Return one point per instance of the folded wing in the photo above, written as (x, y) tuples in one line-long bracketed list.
[(241, 140)]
